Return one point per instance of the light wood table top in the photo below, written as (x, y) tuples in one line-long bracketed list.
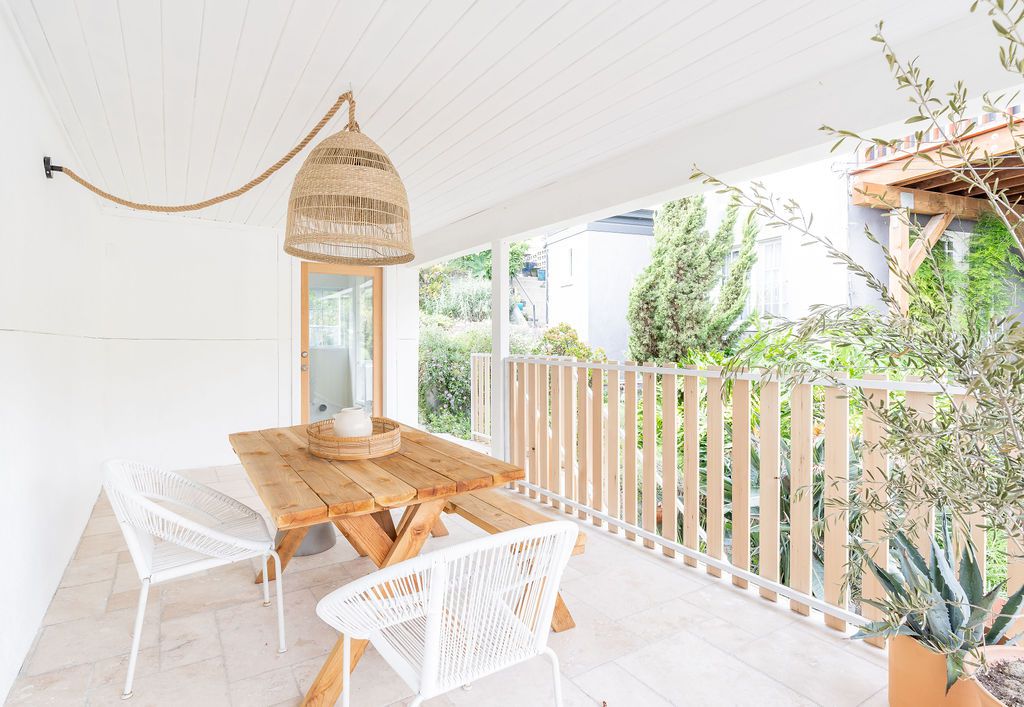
[(300, 489)]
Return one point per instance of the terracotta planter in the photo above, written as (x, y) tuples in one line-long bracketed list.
[(995, 654), (917, 676)]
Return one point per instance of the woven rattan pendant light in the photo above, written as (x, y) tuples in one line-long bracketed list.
[(347, 205)]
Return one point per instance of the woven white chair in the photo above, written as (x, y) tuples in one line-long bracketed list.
[(174, 527), (449, 617)]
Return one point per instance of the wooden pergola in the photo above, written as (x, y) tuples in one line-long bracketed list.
[(925, 181)]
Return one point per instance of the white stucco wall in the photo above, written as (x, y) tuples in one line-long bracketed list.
[(820, 188), (593, 293), (126, 334)]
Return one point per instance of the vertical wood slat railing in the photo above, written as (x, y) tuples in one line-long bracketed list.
[(480, 397), (570, 428)]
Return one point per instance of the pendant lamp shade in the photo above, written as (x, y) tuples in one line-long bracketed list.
[(348, 205)]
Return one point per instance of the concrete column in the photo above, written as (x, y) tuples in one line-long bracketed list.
[(499, 348)]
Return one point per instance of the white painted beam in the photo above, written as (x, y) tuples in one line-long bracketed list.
[(499, 347)]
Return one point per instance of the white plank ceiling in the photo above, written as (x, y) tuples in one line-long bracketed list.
[(476, 101)]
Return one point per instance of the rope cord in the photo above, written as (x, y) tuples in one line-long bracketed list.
[(352, 126)]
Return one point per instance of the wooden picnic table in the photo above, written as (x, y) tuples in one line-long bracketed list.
[(301, 490)]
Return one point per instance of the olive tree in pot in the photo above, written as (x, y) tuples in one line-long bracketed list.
[(966, 455)]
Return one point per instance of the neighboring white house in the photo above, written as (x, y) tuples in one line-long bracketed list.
[(590, 270)]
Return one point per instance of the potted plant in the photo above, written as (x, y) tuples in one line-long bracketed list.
[(966, 454), (939, 623)]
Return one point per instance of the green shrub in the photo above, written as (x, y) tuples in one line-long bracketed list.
[(563, 340), (466, 299), (444, 373)]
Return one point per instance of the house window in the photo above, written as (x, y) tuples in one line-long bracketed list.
[(329, 313), (766, 290)]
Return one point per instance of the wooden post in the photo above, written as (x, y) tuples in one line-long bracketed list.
[(597, 472), (769, 476), (899, 249), (569, 432), (669, 471), (629, 443), (582, 436), (920, 516), (836, 498), (875, 463), (543, 460), (555, 449), (612, 443), (650, 481), (801, 493), (531, 427), (691, 465), (741, 478), (715, 472)]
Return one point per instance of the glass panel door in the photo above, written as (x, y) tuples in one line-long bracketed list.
[(340, 349)]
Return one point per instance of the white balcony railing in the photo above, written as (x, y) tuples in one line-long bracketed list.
[(569, 429)]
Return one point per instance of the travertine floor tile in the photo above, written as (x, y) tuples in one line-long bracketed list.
[(248, 633), (59, 688), (91, 569), (266, 689), (817, 669), (649, 632), (87, 640), (78, 602), (689, 671), (611, 683)]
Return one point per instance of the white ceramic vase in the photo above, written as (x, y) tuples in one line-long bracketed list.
[(353, 422)]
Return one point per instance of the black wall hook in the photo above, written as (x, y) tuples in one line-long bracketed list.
[(49, 168)]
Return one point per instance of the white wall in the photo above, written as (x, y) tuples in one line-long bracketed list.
[(192, 342), (616, 260), (49, 395), (809, 277), (568, 280)]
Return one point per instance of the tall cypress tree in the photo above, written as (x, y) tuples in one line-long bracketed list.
[(674, 308)]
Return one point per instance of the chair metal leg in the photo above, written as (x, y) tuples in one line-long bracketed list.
[(266, 585), (346, 659), (136, 639), (556, 674), (279, 581)]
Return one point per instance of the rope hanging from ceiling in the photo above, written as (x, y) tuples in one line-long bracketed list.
[(173, 209), (347, 203)]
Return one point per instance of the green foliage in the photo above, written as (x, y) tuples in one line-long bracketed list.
[(479, 264), (944, 610), (444, 371), (563, 340), (983, 287), (673, 308), (466, 299)]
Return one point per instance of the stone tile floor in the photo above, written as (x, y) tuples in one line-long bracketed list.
[(650, 632)]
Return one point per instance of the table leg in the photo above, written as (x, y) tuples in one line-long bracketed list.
[(561, 620), (289, 544), (440, 529), (386, 522), (329, 682), (413, 530)]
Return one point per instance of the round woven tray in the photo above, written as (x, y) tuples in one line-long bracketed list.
[(386, 439)]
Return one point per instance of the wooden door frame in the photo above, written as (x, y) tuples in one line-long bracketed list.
[(377, 274)]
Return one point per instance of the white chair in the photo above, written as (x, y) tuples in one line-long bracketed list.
[(175, 527), (447, 618)]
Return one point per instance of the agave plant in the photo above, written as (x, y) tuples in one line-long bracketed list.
[(930, 603)]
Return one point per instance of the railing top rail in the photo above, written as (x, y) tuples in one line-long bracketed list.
[(866, 383)]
